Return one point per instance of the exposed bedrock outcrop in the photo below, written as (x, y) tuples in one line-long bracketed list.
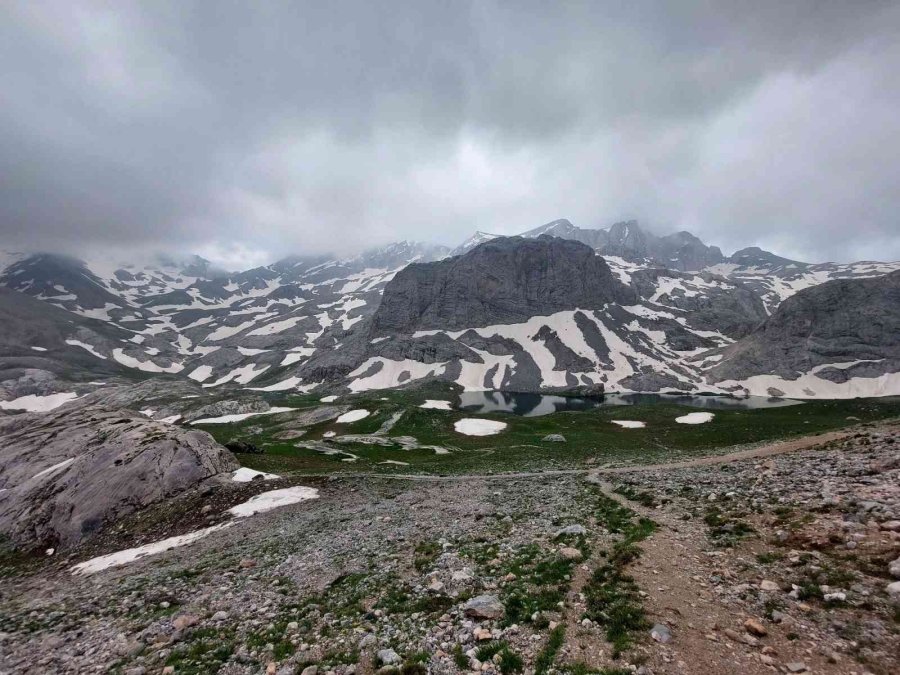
[(846, 321), (66, 474), (502, 281)]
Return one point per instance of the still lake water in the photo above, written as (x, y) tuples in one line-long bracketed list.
[(534, 405)]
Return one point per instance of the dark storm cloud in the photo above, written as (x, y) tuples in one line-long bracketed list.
[(246, 131)]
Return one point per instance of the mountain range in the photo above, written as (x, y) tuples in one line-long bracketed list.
[(555, 308)]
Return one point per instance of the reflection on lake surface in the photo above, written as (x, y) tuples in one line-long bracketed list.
[(534, 405)]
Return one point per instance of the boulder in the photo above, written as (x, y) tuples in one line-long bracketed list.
[(388, 657), (571, 530), (661, 633), (484, 607), (243, 446)]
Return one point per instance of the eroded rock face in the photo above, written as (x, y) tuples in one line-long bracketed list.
[(230, 407), (726, 307), (838, 322), (66, 474), (502, 281)]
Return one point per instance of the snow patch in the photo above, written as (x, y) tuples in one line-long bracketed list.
[(284, 385), (695, 418), (245, 475), (472, 426), (238, 417), (241, 375), (201, 373), (352, 416), (36, 403), (266, 501), (223, 332), (431, 404), (53, 469), (130, 555), (147, 366), (629, 424)]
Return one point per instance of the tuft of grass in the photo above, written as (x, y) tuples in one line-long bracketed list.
[(547, 656), (400, 599), (460, 658), (420, 656), (613, 600), (338, 657), (583, 669), (542, 578), (486, 652), (416, 663), (206, 650), (508, 661), (426, 552), (725, 529), (642, 497)]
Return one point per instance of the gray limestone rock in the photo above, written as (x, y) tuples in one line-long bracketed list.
[(839, 321), (502, 281), (66, 474), (484, 607), (230, 407)]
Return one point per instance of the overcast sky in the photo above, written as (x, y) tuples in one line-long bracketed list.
[(249, 130)]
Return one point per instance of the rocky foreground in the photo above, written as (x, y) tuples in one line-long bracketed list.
[(784, 563)]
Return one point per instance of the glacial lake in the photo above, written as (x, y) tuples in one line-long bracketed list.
[(535, 405)]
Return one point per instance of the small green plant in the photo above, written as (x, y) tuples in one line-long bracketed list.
[(460, 658), (510, 661), (338, 657), (612, 595), (425, 553), (547, 655), (642, 497), (486, 652), (499, 651), (206, 650), (725, 528)]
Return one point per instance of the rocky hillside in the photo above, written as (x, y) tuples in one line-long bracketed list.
[(41, 343), (67, 474), (833, 340)]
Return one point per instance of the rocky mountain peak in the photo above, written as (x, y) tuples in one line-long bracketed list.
[(504, 280), (754, 256), (478, 238)]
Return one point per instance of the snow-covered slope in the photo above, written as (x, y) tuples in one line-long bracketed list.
[(778, 280), (213, 327), (305, 322)]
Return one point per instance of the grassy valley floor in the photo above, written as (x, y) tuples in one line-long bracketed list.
[(591, 438)]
